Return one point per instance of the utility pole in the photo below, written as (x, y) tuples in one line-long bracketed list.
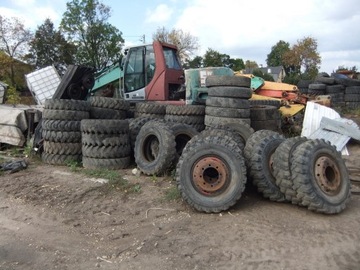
[(142, 38)]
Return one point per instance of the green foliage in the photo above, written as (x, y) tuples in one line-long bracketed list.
[(85, 23), (12, 96), (237, 64), (197, 62), (251, 64), (265, 76), (73, 165), (172, 194), (292, 78), (275, 57), (49, 47)]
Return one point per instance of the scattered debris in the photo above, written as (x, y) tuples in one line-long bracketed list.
[(13, 166)]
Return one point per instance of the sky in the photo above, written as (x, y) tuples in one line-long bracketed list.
[(240, 28)]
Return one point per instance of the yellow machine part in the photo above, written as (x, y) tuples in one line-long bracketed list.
[(279, 86), (291, 110), (256, 96)]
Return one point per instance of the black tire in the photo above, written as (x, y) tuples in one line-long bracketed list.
[(216, 121), (352, 97), (317, 86), (224, 132), (347, 81), (104, 113), (62, 148), (55, 159), (109, 103), (62, 136), (304, 83), (105, 126), (106, 151), (98, 139), (334, 89), (211, 173), (106, 163), (259, 161), (325, 80), (320, 177), (227, 112), (155, 148), (274, 125), (67, 104), (352, 90), (64, 115), (241, 128), (352, 105), (149, 115), (227, 80), (61, 125), (185, 109), (264, 112), (150, 108), (189, 120), (269, 102), (230, 92), (134, 128), (88, 81), (228, 102), (283, 157), (316, 92)]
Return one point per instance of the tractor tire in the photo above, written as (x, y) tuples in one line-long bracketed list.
[(104, 113), (185, 109), (283, 157), (62, 148), (150, 108), (227, 112), (61, 136), (109, 103), (241, 128), (64, 115), (352, 90), (274, 125), (347, 81), (118, 151), (230, 92), (67, 104), (352, 97), (260, 161), (155, 148), (110, 140), (320, 177), (185, 119), (223, 132), (149, 115), (211, 173), (216, 121), (228, 102), (106, 163), (264, 112), (334, 89), (226, 80), (105, 126), (265, 102), (317, 86), (352, 105), (134, 128), (55, 159), (61, 125), (325, 80)]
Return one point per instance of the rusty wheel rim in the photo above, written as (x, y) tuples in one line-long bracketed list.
[(327, 175), (210, 176)]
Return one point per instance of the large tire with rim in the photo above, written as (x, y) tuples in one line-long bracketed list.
[(225, 132), (211, 173), (320, 177), (259, 152), (283, 158), (155, 148), (227, 80), (244, 130)]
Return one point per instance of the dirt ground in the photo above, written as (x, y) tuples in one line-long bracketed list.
[(54, 218)]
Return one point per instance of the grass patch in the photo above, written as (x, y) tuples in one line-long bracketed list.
[(74, 165), (172, 194)]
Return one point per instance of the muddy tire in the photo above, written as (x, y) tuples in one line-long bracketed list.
[(227, 112), (227, 80), (106, 163), (185, 119), (105, 126), (224, 132), (228, 102), (151, 108), (106, 151), (230, 92), (259, 152), (61, 125), (241, 128), (61, 136), (67, 104), (155, 148), (283, 157), (265, 102), (65, 115), (109, 103), (320, 177), (274, 125), (216, 121), (352, 90), (55, 159), (104, 113), (134, 128), (211, 173), (264, 112)]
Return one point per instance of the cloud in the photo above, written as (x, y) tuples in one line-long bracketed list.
[(161, 14), (248, 29)]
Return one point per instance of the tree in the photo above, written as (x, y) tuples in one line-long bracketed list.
[(185, 42), (251, 64), (49, 47), (265, 76), (237, 64), (14, 38), (196, 62), (213, 58), (275, 57), (303, 58), (98, 42)]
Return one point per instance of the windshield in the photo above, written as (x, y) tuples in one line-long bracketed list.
[(171, 58)]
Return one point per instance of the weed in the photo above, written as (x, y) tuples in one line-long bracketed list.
[(136, 188), (172, 194), (154, 179), (74, 165), (28, 149)]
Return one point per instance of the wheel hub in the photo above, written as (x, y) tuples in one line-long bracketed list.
[(327, 175), (210, 175)]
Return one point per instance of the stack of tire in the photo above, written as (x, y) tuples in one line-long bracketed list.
[(108, 108), (306, 172), (265, 117), (335, 91), (352, 96), (303, 86), (228, 100), (150, 110), (192, 115), (105, 143), (61, 121)]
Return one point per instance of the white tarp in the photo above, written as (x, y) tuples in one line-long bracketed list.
[(14, 123)]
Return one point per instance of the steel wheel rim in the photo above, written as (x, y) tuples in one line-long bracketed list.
[(327, 175)]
